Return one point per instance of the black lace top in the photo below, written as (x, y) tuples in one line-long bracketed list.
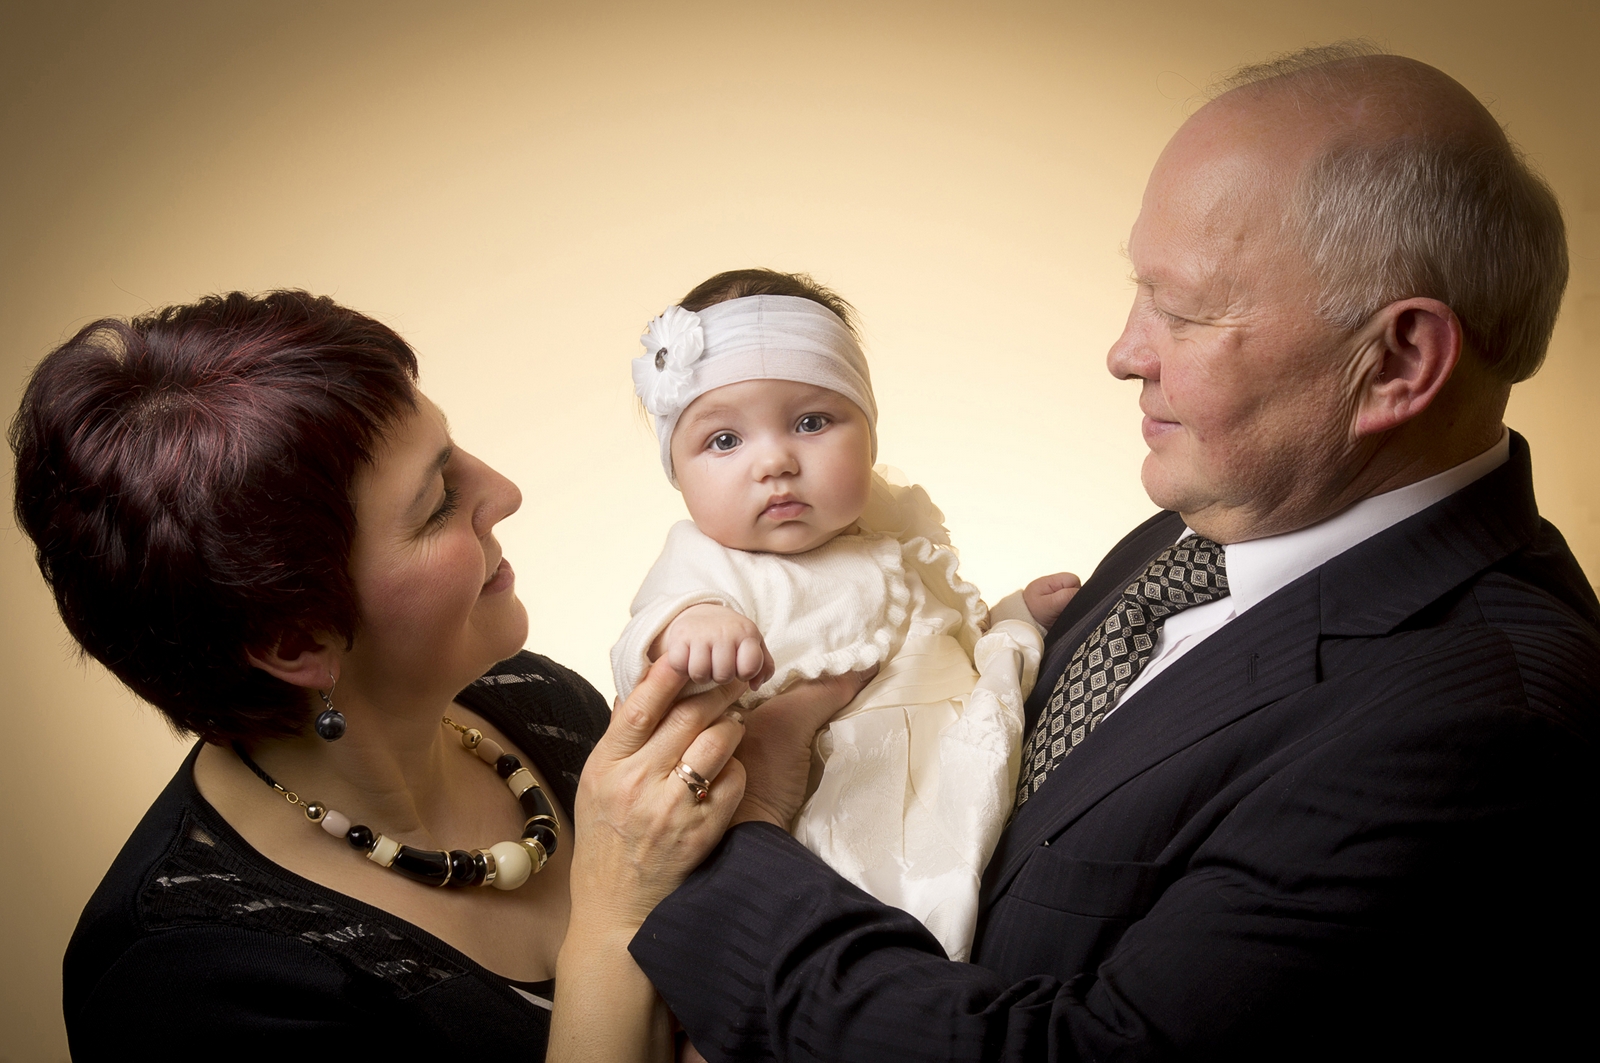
[(195, 944)]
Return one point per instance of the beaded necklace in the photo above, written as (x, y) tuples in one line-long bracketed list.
[(503, 865)]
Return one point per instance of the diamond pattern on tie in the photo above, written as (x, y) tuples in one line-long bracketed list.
[(1190, 572)]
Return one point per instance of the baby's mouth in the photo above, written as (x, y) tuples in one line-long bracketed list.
[(784, 508)]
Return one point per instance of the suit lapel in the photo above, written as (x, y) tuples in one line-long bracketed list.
[(1264, 655), (1382, 582), (1091, 604), (1270, 651)]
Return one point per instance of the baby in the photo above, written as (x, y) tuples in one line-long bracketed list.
[(801, 560)]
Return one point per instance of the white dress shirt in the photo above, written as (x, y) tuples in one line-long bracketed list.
[(1259, 568)]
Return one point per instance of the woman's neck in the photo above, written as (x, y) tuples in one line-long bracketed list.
[(394, 768)]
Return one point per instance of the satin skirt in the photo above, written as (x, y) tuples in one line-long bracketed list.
[(914, 780)]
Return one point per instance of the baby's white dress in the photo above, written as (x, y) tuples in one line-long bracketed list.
[(913, 780)]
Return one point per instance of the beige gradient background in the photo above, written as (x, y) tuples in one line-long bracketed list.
[(519, 187)]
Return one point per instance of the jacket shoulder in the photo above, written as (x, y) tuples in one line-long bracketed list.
[(1538, 600)]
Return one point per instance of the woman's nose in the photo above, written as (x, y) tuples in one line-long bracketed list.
[(498, 498)]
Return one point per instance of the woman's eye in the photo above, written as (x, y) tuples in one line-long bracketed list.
[(446, 508), (812, 422), (724, 441)]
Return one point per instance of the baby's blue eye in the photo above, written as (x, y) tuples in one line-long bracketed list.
[(812, 422), (724, 441)]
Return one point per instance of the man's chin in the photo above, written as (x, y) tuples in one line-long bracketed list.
[(1164, 489), (1200, 511)]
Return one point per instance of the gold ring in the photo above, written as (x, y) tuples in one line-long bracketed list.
[(694, 781)]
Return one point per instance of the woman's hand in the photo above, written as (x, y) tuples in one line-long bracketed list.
[(776, 751), (639, 832), (640, 829)]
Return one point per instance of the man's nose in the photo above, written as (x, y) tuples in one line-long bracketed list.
[(1133, 355)]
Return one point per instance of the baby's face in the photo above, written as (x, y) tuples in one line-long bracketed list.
[(772, 465)]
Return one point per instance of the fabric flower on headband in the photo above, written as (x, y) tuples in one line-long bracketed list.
[(664, 376)]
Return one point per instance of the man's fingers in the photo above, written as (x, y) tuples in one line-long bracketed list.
[(811, 704)]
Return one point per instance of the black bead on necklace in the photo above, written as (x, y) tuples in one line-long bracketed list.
[(503, 865)]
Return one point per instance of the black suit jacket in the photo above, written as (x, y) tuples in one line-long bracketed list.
[(1351, 822)]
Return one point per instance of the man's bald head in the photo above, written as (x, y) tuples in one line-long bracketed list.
[(1398, 183), (1352, 92), (1342, 266)]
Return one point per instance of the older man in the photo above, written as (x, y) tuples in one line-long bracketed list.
[(1310, 768)]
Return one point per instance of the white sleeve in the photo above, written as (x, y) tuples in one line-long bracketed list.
[(692, 570), (1012, 607)]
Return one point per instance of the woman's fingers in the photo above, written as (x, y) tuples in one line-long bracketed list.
[(684, 721), (635, 720), (712, 748)]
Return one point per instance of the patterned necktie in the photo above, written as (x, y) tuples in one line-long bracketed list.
[(1190, 572)]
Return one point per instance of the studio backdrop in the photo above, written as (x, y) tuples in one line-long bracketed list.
[(519, 187)]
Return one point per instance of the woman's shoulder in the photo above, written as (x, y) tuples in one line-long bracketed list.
[(192, 931), (532, 690), (547, 709)]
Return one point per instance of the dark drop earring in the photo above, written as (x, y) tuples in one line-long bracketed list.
[(330, 721)]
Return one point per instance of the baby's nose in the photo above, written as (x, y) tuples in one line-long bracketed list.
[(775, 459)]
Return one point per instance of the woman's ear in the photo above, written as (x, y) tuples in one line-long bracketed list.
[(300, 659), (1419, 345)]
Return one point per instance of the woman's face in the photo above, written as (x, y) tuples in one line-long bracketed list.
[(436, 598)]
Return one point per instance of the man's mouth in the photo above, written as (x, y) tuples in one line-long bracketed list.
[(1153, 427)]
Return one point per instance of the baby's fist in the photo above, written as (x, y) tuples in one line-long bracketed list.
[(714, 644), (1047, 596)]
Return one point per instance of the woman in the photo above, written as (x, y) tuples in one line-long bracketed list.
[(249, 513)]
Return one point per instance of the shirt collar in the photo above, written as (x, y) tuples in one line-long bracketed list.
[(1261, 567)]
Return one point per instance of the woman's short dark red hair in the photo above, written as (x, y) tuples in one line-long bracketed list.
[(185, 478)]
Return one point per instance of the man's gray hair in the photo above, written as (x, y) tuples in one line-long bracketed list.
[(1470, 225)]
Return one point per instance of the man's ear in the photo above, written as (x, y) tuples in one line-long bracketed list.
[(1419, 345), (300, 659)]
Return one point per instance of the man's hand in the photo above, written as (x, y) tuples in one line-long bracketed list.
[(776, 748), (712, 643), (1047, 596)]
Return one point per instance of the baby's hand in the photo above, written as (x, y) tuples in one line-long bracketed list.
[(1047, 596), (712, 643)]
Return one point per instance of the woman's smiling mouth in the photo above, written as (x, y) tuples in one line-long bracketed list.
[(501, 578)]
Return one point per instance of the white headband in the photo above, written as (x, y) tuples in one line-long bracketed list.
[(759, 337)]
